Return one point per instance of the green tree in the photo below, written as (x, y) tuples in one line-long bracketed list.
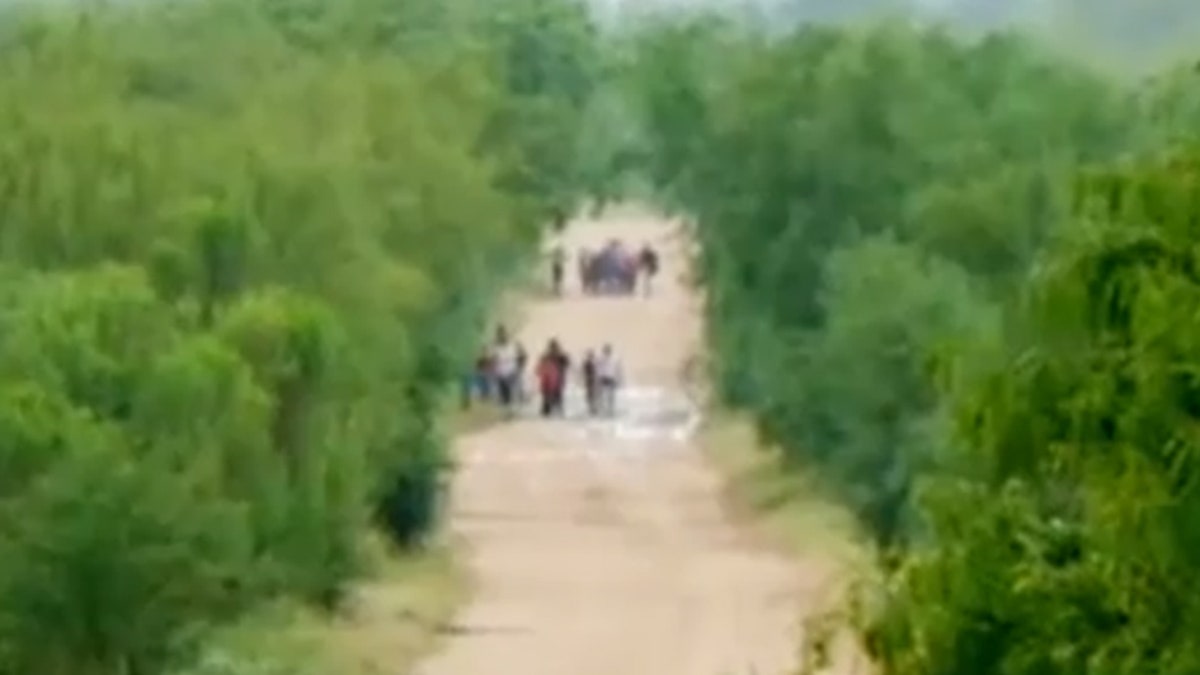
[(247, 247), (1070, 545), (792, 151)]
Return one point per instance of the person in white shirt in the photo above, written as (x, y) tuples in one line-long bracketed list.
[(608, 377), (507, 358)]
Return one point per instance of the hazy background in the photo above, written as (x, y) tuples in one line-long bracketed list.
[(1126, 35)]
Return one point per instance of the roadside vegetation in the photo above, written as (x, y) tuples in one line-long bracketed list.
[(247, 249), (951, 282)]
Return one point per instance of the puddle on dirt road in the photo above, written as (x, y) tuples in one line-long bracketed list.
[(649, 421), (644, 414)]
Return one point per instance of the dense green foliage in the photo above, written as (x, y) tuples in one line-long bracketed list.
[(1071, 544), (927, 294), (245, 248), (861, 197), (247, 245)]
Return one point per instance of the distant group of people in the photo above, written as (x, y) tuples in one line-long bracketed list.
[(613, 269), (502, 368), (500, 371)]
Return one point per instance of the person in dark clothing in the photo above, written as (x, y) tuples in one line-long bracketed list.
[(564, 366), (591, 383), (558, 264), (585, 264), (484, 376), (648, 262), (522, 362)]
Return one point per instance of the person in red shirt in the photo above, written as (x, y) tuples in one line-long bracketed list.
[(552, 378)]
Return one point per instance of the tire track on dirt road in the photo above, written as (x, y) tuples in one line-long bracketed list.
[(597, 555)]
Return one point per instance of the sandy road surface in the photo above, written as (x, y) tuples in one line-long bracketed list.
[(603, 549)]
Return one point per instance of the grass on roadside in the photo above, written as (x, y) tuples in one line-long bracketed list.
[(398, 615), (478, 417), (784, 505), (394, 617), (393, 620), (398, 612)]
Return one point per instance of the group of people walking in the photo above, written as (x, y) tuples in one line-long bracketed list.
[(502, 368), (613, 269), (500, 373)]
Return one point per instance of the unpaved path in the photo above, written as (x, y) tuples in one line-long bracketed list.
[(603, 550)]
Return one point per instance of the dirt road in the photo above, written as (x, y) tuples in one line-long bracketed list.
[(602, 549)]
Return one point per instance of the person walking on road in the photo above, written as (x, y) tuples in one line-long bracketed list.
[(591, 382), (520, 393), (585, 262), (648, 262), (507, 361), (609, 376), (478, 383), (558, 264), (552, 378)]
